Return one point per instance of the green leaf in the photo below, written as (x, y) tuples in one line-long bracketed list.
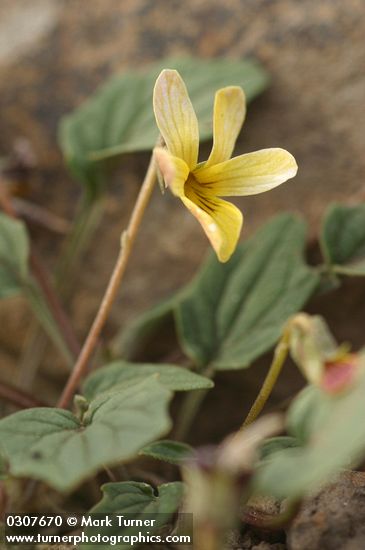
[(117, 374), (343, 239), (310, 408), (54, 446), (234, 312), (335, 440), (14, 254), (119, 117), (173, 452), (275, 445), (139, 498), (135, 500)]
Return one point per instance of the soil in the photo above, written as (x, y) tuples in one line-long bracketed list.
[(332, 519)]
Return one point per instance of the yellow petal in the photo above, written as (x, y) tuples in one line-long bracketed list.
[(229, 114), (221, 220), (176, 117), (248, 174), (174, 170)]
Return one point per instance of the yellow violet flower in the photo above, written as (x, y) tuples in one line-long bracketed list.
[(200, 186)]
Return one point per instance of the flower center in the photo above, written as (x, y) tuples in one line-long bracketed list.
[(196, 192)]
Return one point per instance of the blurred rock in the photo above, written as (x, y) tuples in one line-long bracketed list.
[(334, 518)]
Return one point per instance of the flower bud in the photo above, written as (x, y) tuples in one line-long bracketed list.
[(321, 360)]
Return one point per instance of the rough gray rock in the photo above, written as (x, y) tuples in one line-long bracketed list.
[(334, 518)]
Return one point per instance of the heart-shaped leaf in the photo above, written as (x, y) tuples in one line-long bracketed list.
[(173, 452), (14, 253), (343, 239), (136, 501), (117, 374), (119, 118), (234, 312), (54, 446), (139, 498)]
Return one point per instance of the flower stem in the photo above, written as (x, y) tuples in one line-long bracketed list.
[(127, 241), (280, 354)]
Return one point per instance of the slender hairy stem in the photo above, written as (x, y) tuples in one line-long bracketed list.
[(127, 241), (280, 354), (19, 398)]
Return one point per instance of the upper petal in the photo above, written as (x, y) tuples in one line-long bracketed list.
[(174, 170), (248, 174), (176, 117), (228, 117), (221, 220)]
